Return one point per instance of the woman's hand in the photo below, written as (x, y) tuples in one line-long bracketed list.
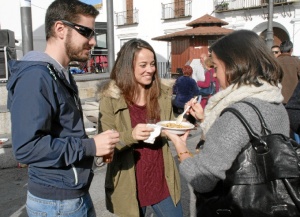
[(179, 143), (141, 132), (196, 109)]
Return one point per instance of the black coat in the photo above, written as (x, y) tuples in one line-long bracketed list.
[(293, 109)]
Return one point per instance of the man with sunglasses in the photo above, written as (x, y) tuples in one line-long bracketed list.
[(291, 69), (47, 122), (291, 74), (275, 50)]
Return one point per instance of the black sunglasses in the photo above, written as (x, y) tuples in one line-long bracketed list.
[(82, 30), (275, 52)]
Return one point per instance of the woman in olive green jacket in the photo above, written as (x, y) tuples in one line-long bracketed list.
[(135, 86)]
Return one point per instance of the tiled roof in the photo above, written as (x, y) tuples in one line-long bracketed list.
[(203, 26), (206, 19), (198, 31)]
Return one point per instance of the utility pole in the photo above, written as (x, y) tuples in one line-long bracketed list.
[(26, 25), (270, 35), (110, 34)]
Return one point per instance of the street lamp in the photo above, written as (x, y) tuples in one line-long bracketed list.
[(110, 34), (26, 24), (269, 34)]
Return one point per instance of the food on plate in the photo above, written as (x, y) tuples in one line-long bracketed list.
[(174, 125)]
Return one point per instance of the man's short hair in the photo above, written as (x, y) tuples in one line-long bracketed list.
[(286, 46), (275, 46), (69, 10)]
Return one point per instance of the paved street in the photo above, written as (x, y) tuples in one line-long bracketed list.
[(13, 186)]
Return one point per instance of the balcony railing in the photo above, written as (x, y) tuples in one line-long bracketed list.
[(224, 5), (127, 17), (177, 9)]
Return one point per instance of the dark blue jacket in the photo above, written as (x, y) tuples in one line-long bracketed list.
[(293, 109), (185, 88), (48, 131)]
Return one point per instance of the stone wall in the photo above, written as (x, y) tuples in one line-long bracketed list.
[(87, 85)]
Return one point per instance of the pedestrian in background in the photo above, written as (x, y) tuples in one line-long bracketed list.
[(184, 88), (47, 121), (198, 68), (203, 57), (253, 76), (291, 69), (291, 74), (275, 50), (141, 174), (293, 109), (210, 76)]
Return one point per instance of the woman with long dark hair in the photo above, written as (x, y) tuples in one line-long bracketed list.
[(140, 174), (248, 72)]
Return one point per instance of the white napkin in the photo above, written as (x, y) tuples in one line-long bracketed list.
[(154, 134)]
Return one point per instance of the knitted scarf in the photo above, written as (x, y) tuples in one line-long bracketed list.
[(232, 94)]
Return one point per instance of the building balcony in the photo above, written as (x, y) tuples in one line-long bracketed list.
[(128, 17), (230, 5), (177, 9)]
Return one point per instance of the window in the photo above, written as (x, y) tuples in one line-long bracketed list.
[(101, 40)]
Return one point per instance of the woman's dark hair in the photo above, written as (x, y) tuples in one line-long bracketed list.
[(247, 58), (123, 74), (69, 10)]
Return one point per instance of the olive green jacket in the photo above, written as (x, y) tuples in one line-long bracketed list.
[(120, 181)]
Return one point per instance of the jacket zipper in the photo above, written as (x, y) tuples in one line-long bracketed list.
[(75, 174)]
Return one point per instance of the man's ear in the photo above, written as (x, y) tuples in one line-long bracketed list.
[(60, 29)]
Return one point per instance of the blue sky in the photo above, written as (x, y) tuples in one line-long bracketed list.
[(92, 2)]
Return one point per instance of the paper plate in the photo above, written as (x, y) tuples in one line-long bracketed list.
[(181, 129)]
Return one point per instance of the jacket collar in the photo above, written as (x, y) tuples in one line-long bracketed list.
[(284, 54), (110, 89)]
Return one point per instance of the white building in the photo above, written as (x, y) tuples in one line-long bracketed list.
[(253, 15), (149, 19), (155, 18), (10, 18)]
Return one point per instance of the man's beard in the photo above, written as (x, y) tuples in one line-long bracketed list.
[(75, 53)]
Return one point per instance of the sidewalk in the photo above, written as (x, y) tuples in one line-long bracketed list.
[(7, 159), (13, 187)]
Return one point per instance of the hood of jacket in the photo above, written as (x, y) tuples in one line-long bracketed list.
[(108, 88), (17, 68)]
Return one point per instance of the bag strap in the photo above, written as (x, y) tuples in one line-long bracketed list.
[(259, 145), (62, 83), (293, 194), (265, 130)]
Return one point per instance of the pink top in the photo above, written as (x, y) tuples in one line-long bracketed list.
[(206, 83)]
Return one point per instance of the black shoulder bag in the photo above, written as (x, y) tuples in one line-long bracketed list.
[(264, 179)]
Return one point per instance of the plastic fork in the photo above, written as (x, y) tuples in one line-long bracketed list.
[(179, 119)]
